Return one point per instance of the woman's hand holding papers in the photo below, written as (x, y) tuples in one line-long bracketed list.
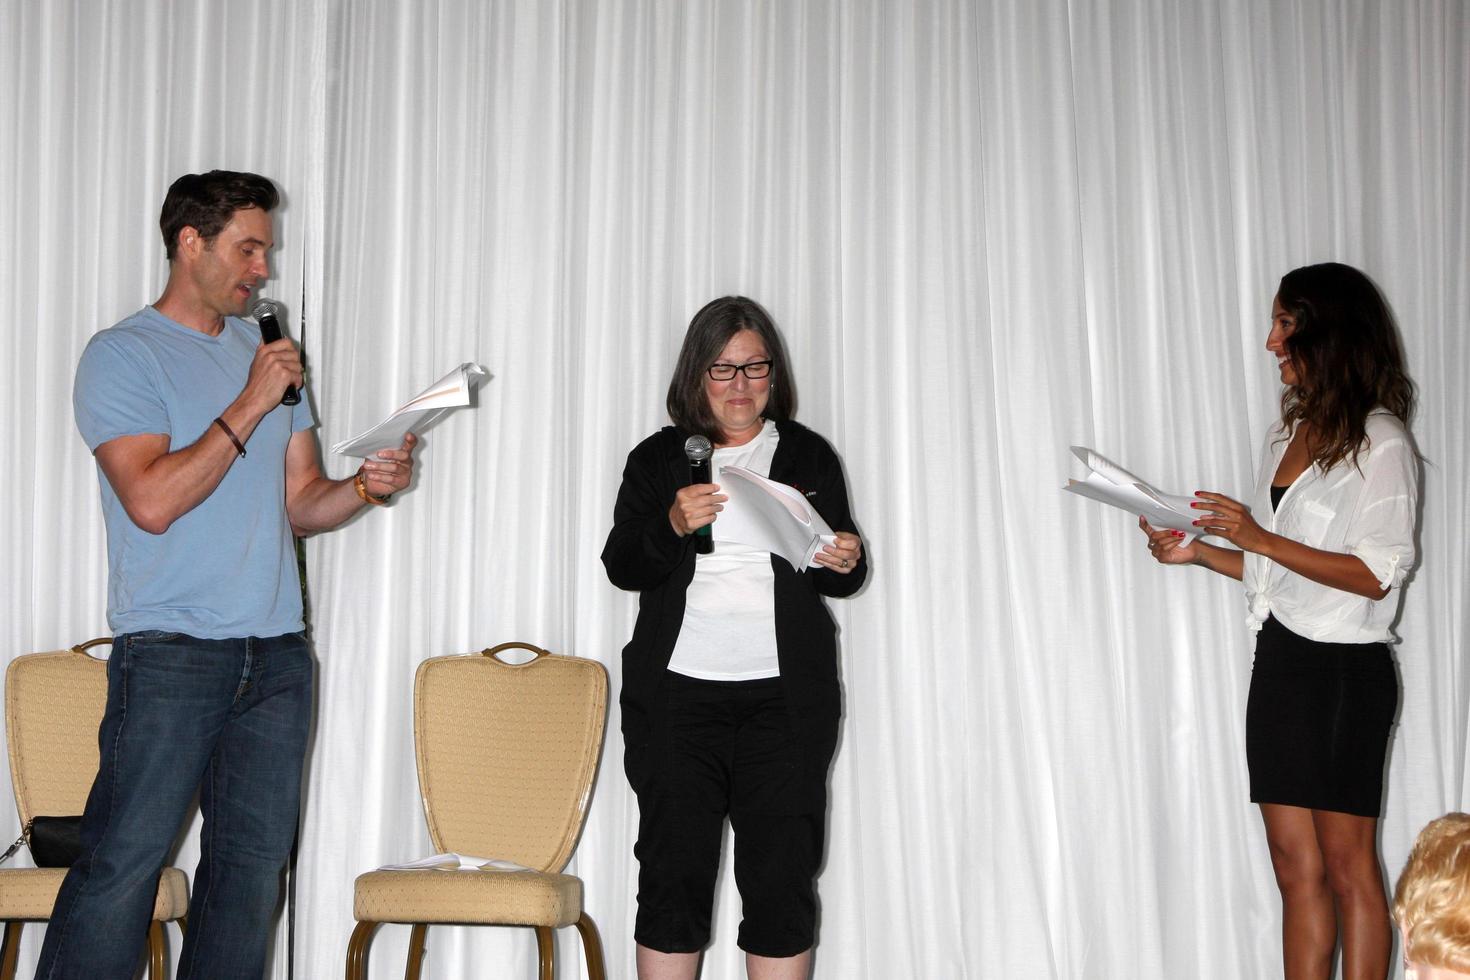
[(1231, 520), (842, 555), (1166, 546)]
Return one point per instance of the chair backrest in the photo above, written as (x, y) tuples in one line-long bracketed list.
[(507, 753), (53, 705)]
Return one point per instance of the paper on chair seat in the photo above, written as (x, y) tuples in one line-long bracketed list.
[(765, 514), (456, 862), (422, 410), (1111, 484)]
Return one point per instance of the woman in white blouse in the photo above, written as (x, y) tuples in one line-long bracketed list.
[(1327, 537)]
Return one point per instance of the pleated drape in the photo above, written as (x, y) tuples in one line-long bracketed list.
[(988, 231)]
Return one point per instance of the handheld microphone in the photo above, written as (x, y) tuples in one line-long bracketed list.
[(699, 450), (270, 332)]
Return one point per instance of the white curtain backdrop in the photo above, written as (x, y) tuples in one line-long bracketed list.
[(989, 230)]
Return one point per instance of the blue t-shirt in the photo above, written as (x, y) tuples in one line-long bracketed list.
[(227, 568)]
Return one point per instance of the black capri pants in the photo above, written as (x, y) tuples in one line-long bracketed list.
[(729, 751)]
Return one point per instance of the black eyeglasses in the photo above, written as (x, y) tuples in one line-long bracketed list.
[(755, 370)]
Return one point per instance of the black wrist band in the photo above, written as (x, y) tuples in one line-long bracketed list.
[(239, 448)]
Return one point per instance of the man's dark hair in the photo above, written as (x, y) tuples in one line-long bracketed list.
[(206, 202), (709, 332)]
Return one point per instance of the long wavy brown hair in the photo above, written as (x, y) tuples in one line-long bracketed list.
[(1347, 357)]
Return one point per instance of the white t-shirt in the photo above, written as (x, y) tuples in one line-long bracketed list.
[(729, 628), (1366, 510)]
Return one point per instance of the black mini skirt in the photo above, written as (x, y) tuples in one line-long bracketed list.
[(1317, 721)]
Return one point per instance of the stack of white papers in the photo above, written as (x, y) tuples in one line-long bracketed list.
[(765, 514), (422, 410), (1111, 484), (455, 862)]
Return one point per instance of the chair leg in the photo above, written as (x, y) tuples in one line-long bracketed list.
[(592, 948), (12, 949), (415, 951), (357, 949), (546, 953), (155, 950)]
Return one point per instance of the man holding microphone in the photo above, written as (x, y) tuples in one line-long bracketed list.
[(205, 475)]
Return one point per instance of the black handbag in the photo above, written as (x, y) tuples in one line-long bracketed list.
[(55, 842)]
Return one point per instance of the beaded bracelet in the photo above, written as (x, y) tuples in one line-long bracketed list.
[(362, 491)]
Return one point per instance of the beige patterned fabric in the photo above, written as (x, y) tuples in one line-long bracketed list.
[(523, 898), (53, 705), (506, 756), (29, 893)]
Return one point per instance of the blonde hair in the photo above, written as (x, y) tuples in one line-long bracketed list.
[(1432, 901)]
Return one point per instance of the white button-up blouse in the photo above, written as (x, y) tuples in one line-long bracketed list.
[(1367, 510)]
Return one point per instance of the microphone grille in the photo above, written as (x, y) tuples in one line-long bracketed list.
[(262, 309), (697, 448)]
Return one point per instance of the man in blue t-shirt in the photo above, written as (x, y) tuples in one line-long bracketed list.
[(205, 477)]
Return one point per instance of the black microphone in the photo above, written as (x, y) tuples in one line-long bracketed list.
[(698, 449), (270, 332)]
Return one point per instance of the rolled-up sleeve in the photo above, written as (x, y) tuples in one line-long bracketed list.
[(1381, 531)]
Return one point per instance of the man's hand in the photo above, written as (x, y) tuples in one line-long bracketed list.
[(391, 470), (276, 365)]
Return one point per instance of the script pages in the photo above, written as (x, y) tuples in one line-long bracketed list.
[(456, 862), (765, 514), (1113, 485), (421, 411)]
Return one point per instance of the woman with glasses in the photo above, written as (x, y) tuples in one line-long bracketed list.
[(1327, 538), (730, 699)]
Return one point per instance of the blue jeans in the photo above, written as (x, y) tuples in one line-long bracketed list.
[(228, 718)]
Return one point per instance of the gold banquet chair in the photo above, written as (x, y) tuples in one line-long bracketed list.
[(53, 705), (507, 754)]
